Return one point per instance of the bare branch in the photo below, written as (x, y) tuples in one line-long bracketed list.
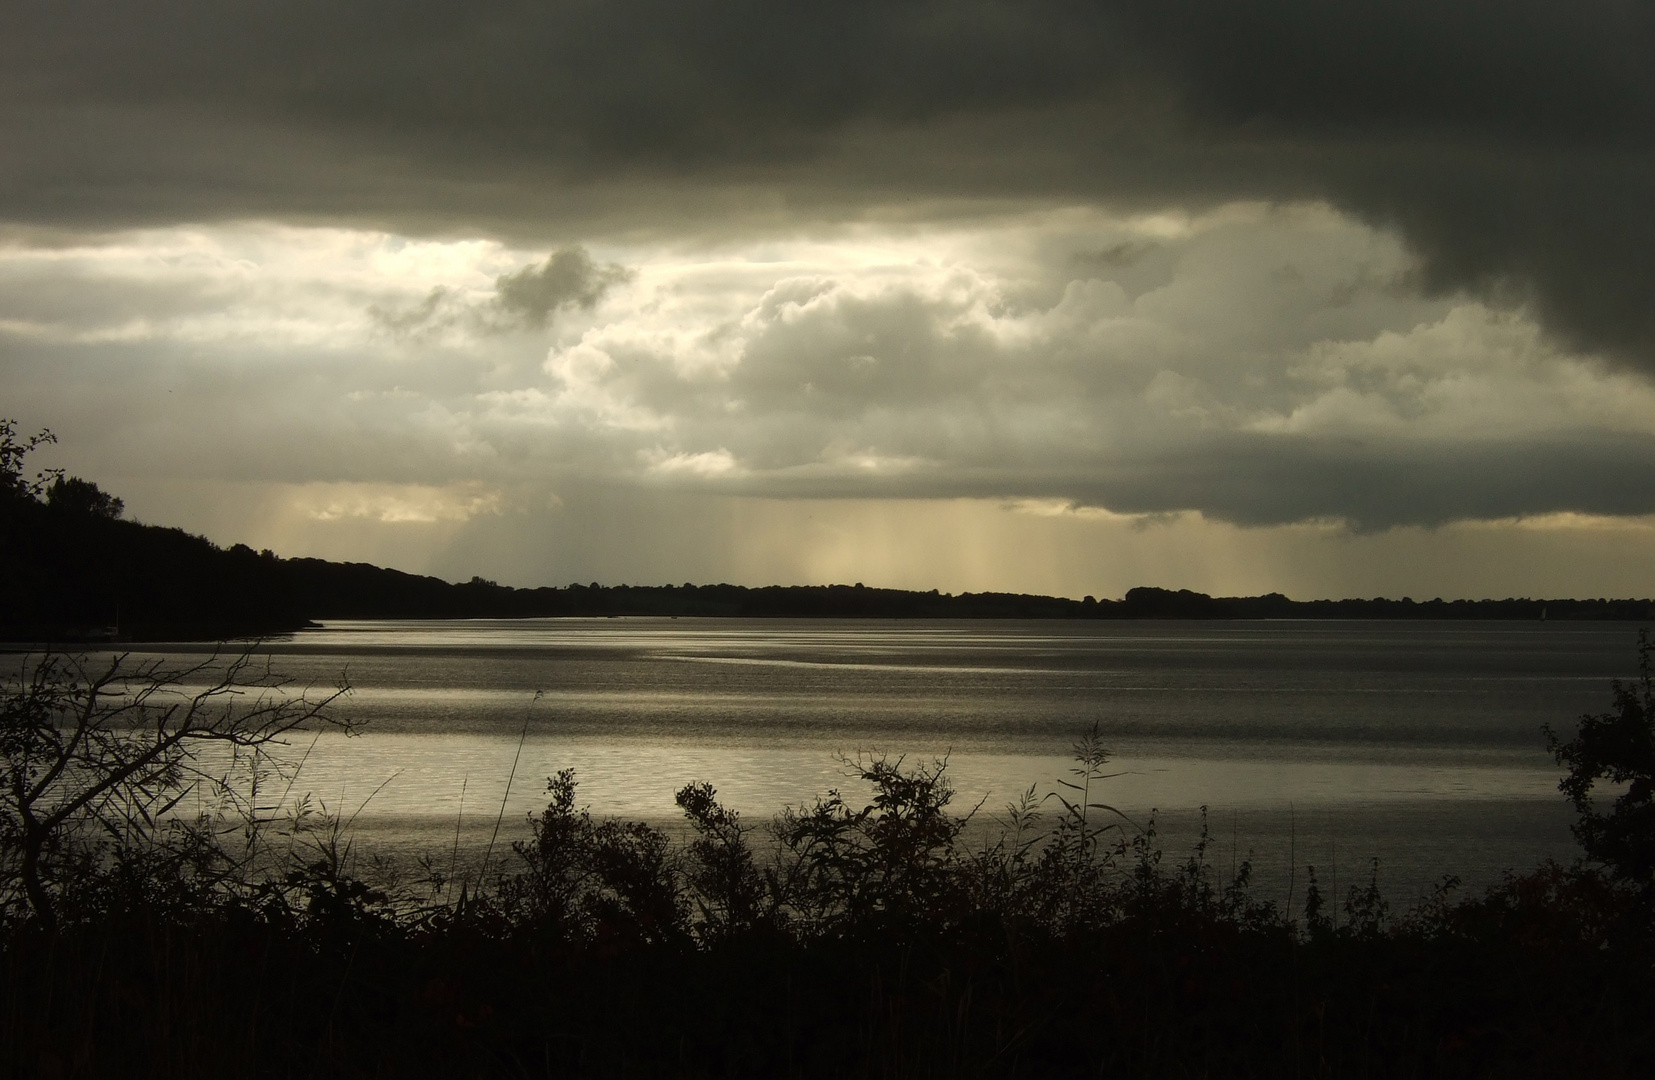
[(114, 747)]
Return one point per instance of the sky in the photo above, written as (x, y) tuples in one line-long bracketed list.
[(1035, 295)]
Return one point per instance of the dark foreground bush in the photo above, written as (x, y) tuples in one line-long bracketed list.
[(1176, 992), (857, 937)]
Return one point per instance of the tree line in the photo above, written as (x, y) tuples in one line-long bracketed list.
[(73, 568)]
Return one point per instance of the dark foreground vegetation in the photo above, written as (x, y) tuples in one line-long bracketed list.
[(159, 917), (72, 570)]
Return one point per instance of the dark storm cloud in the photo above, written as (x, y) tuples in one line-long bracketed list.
[(1510, 139), (1257, 481), (1252, 480), (1513, 142)]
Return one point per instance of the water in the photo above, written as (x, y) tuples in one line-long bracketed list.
[(1329, 743)]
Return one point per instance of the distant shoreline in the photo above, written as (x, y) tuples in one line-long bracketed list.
[(84, 579), (431, 598)]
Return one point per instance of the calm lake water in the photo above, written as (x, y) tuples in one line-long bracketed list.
[(1326, 743)]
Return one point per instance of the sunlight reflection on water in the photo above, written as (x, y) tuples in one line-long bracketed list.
[(1417, 740)]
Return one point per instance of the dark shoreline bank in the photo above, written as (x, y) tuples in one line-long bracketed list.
[(313, 590)]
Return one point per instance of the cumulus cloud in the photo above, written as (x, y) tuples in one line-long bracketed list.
[(936, 386), (1253, 364)]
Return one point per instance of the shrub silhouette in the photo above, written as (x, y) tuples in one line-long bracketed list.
[(731, 895), (867, 939), (1617, 746), (587, 881), (888, 863)]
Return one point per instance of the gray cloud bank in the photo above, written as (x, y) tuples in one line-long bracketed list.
[(1510, 140), (1250, 356)]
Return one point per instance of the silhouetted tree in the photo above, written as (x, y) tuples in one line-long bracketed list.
[(1617, 746), (72, 495), (13, 450)]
